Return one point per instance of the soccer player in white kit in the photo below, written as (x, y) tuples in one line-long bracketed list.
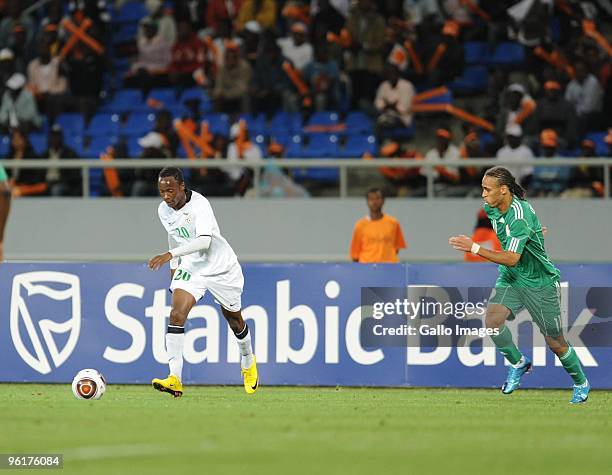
[(200, 260)]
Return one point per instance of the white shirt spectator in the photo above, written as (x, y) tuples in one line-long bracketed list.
[(251, 154), (452, 152), (401, 95), (46, 78), (516, 154), (300, 55), (586, 97)]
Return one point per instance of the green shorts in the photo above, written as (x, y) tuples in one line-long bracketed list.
[(542, 303), (3, 176)]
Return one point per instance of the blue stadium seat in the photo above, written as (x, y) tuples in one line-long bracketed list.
[(5, 143), (321, 146), (508, 54), (72, 123), (285, 122), (134, 148), (124, 100), (197, 93), (323, 118), (474, 79), (39, 143), (104, 124), (601, 147), (359, 123), (294, 147), (138, 123), (446, 98), (75, 142), (218, 124), (166, 96), (131, 12), (256, 124), (357, 145), (476, 53), (399, 133), (125, 33), (98, 146)]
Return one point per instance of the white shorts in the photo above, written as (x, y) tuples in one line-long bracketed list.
[(226, 288)]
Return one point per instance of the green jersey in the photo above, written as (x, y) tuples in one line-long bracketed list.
[(3, 176), (519, 230)]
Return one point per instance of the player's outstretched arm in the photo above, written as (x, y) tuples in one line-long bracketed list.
[(465, 244), (201, 243)]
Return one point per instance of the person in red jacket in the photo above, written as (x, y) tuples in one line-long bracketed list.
[(188, 54)]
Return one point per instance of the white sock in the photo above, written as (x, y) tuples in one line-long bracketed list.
[(520, 362), (244, 345), (174, 348)]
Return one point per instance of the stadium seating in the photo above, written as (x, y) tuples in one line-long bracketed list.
[(103, 124), (474, 79), (138, 123), (508, 54), (358, 123), (71, 123), (476, 53), (285, 122), (124, 100), (358, 145)]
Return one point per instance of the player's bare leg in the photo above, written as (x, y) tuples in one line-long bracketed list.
[(182, 303), (247, 358), (570, 361), (519, 364)]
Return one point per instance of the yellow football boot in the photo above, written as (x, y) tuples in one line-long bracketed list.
[(251, 378), (170, 385)]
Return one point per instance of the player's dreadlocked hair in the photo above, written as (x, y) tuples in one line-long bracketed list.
[(504, 177), (173, 172)]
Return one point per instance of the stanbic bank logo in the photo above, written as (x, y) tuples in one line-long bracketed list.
[(35, 291)]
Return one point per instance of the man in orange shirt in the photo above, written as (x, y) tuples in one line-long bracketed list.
[(377, 238)]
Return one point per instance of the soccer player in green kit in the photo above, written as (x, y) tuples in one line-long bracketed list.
[(527, 279)]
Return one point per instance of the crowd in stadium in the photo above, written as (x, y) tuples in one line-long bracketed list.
[(240, 80)]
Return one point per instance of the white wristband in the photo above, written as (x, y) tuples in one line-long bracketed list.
[(475, 248)]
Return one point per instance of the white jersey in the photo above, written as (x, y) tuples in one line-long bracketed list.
[(196, 219)]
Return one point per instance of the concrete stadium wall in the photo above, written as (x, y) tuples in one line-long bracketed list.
[(284, 230)]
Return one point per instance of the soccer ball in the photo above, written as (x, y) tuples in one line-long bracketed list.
[(88, 384)]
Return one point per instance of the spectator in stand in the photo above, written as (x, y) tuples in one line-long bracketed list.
[(516, 150), (296, 48), (445, 177), (188, 55), (407, 181), (23, 179), (47, 83), (22, 47), (61, 182), (252, 34), (159, 14), (393, 101), (242, 149), (326, 19), (484, 235), (18, 107), (7, 67), (550, 180), (586, 95), (555, 112), (378, 237), (270, 86), (323, 78), (585, 181), (164, 126), (49, 35), (154, 55), (451, 59), (518, 108), (262, 11), (221, 11), (14, 17), (529, 22), (471, 176), (145, 183), (232, 86), (365, 61), (85, 70)]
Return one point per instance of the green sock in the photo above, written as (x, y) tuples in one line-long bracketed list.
[(506, 346), (571, 363)]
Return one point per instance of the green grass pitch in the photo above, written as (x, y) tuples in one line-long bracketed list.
[(279, 430)]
